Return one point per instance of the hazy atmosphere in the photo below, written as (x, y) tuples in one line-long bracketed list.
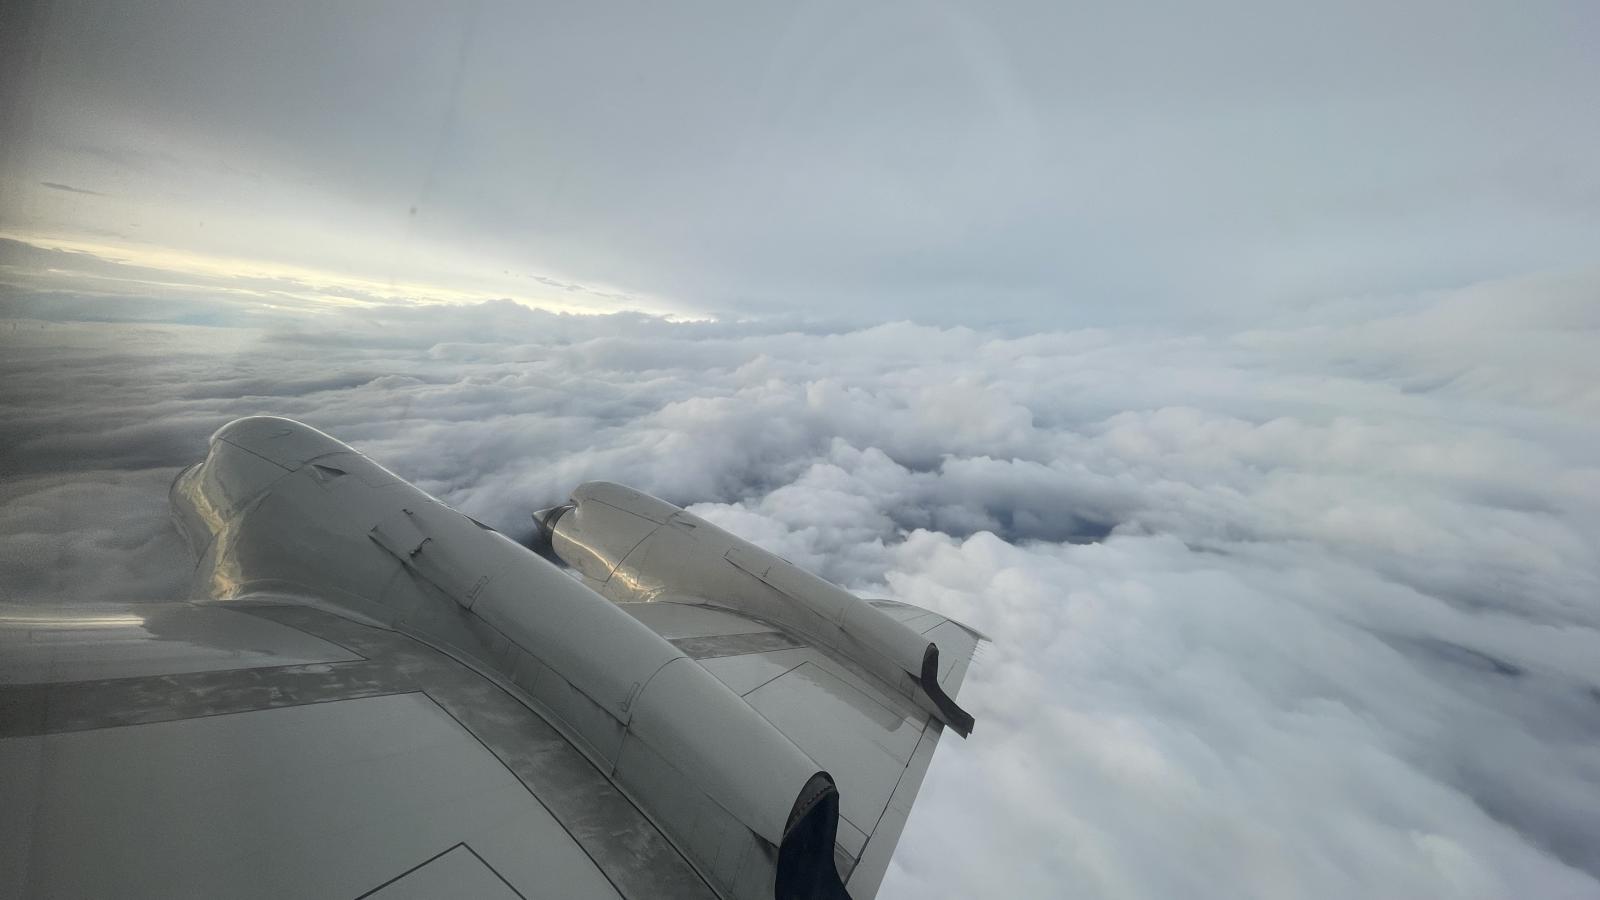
[(1236, 370)]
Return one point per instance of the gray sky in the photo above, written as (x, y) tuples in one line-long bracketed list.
[(1037, 162)]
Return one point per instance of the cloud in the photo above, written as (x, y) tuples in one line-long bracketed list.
[(59, 528), (1022, 161), (1304, 610), (56, 186)]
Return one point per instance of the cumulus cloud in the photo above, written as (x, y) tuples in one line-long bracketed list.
[(1306, 610)]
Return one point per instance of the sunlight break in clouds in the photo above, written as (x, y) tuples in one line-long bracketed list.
[(1301, 611), (313, 290)]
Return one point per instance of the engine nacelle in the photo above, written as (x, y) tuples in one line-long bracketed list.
[(632, 547)]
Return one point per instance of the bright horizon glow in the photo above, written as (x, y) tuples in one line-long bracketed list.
[(336, 288)]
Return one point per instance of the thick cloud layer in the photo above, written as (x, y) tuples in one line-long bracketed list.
[(1303, 611)]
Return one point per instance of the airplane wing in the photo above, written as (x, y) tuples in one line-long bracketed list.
[(371, 695)]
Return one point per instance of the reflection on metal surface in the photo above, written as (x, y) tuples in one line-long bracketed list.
[(642, 549), (94, 643), (70, 619)]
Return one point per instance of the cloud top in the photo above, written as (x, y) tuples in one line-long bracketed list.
[(1304, 610)]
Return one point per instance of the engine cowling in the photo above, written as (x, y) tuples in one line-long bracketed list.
[(632, 547)]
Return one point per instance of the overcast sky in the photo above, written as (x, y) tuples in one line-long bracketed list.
[(982, 162)]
